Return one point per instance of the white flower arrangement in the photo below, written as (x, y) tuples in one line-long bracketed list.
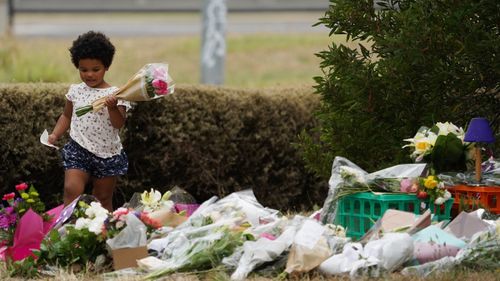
[(351, 175), (442, 146), (94, 222), (424, 140)]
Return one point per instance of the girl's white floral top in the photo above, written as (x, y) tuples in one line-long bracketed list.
[(93, 131)]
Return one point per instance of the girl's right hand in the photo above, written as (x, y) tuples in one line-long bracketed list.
[(52, 139)]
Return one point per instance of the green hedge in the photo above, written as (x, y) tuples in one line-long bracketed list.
[(207, 140)]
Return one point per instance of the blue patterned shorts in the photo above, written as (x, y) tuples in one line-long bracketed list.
[(76, 157)]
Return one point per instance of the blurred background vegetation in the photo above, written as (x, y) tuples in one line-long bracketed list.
[(254, 59)]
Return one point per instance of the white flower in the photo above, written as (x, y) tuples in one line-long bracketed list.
[(96, 225), (423, 142), (439, 201), (96, 211), (447, 127), (120, 224), (351, 174), (94, 222), (150, 200), (446, 195), (336, 230), (82, 223), (167, 204)]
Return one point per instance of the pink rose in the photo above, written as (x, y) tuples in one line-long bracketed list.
[(161, 87), (159, 73), (21, 186), (9, 196), (405, 185)]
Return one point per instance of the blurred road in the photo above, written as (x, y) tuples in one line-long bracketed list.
[(165, 5), (155, 24)]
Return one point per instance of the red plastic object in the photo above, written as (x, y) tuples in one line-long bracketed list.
[(487, 197)]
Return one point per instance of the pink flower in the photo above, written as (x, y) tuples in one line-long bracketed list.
[(9, 196), (161, 87), (21, 186), (405, 185), (8, 218), (268, 236), (159, 73), (148, 221), (120, 212)]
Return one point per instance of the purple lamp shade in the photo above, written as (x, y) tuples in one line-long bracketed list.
[(479, 131)]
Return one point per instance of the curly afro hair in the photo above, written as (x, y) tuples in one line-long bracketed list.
[(92, 45)]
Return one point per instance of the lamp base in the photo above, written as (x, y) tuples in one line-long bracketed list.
[(478, 163)]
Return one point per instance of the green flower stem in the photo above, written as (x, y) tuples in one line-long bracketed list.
[(83, 110)]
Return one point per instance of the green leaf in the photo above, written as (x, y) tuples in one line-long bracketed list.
[(448, 154)]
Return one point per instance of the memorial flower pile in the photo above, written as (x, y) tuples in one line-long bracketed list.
[(237, 236)]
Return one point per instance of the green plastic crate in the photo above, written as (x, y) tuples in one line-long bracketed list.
[(441, 212), (358, 212)]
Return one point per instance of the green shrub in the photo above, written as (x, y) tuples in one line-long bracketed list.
[(428, 61), (25, 111), (217, 141), (207, 140)]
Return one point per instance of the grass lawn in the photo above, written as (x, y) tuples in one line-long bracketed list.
[(252, 60)]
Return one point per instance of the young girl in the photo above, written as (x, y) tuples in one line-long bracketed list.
[(94, 152)]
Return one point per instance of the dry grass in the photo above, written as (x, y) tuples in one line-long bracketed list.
[(456, 275)]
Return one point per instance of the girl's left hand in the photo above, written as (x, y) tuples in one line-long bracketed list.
[(111, 101)]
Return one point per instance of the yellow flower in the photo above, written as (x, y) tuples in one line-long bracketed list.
[(30, 201), (422, 146), (34, 193), (430, 182), (25, 196)]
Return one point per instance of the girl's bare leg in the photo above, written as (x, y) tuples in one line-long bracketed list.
[(103, 189), (74, 184)]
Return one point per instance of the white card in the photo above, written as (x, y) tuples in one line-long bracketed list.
[(44, 139)]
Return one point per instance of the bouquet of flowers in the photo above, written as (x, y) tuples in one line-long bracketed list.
[(196, 249), (442, 146), (23, 222), (432, 188), (152, 81), (77, 242)]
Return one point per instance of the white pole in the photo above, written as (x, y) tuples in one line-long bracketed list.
[(213, 49)]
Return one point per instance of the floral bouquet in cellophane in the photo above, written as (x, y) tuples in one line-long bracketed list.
[(152, 81), (23, 223), (442, 146)]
